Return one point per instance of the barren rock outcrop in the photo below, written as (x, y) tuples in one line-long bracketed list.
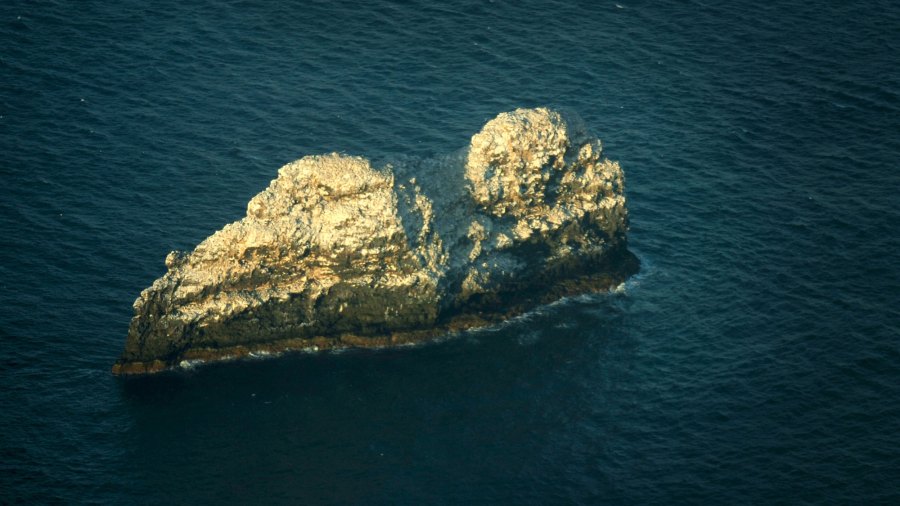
[(337, 253)]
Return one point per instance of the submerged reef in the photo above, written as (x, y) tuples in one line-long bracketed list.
[(337, 253)]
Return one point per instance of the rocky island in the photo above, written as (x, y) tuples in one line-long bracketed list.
[(336, 253)]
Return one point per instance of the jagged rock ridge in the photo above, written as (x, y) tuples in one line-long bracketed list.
[(337, 253)]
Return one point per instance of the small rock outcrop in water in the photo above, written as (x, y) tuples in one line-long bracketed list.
[(337, 253)]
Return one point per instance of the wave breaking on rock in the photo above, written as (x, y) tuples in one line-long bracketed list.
[(336, 253)]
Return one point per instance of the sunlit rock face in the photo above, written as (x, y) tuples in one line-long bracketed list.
[(337, 253)]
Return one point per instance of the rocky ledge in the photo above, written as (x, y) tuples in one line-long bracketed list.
[(337, 253)]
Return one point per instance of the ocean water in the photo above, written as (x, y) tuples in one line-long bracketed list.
[(754, 360)]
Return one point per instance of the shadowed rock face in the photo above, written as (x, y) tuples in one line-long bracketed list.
[(336, 253)]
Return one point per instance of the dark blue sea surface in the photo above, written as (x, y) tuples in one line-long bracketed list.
[(755, 359)]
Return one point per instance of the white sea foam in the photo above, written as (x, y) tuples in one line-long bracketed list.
[(190, 364)]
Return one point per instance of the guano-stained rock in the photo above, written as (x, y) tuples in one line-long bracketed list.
[(336, 253)]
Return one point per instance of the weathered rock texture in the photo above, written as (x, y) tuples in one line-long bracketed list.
[(336, 253)]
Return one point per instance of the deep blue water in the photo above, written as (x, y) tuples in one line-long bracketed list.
[(755, 359)]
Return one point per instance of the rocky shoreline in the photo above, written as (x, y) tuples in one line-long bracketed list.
[(337, 254)]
